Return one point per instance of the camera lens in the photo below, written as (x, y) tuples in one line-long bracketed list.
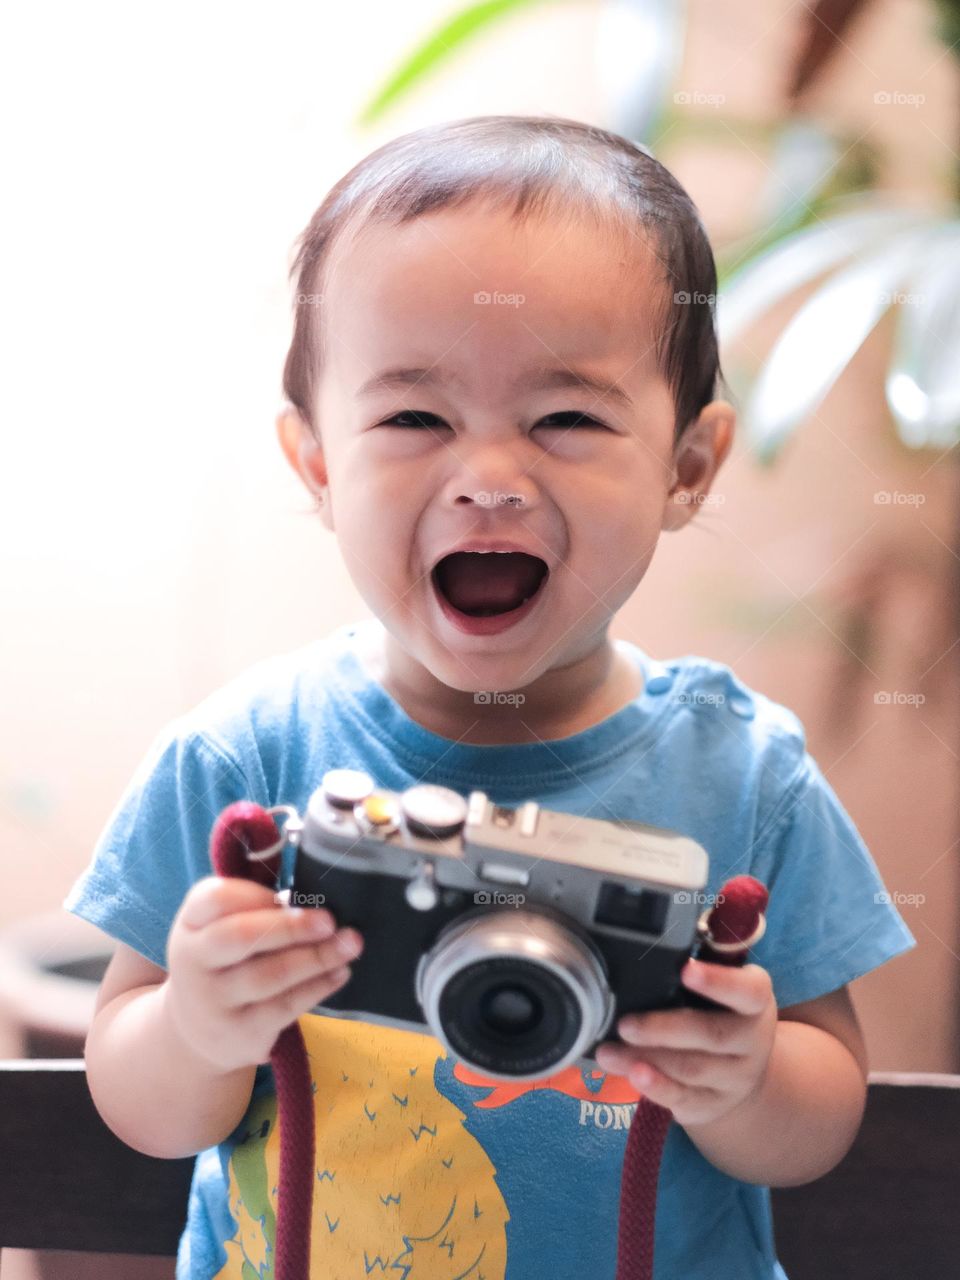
[(515, 995), (510, 1016), (510, 1009)]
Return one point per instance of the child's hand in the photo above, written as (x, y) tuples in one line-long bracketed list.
[(700, 1063), (242, 967)]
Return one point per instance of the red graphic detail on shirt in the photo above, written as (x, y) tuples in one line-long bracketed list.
[(572, 1081)]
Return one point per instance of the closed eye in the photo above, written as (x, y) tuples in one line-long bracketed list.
[(417, 418), (419, 415), (578, 419)]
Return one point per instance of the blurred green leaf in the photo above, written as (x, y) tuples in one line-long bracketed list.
[(454, 34), (948, 25), (855, 173)]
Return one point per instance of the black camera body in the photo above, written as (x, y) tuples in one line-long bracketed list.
[(518, 937)]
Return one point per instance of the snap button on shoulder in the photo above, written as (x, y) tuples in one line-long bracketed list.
[(659, 680)]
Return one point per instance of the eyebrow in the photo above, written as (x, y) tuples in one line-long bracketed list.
[(539, 380)]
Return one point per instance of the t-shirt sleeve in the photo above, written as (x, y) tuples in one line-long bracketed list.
[(829, 919), (156, 842)]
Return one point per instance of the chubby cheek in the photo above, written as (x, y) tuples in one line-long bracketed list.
[(613, 533), (376, 544), (375, 522)]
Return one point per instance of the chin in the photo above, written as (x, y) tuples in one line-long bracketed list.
[(467, 674)]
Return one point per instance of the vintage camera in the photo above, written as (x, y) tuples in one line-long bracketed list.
[(517, 937)]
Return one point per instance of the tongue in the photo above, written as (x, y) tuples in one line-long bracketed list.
[(492, 581)]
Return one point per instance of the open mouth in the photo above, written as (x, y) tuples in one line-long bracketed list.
[(483, 584)]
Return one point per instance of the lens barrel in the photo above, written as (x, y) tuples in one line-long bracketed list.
[(514, 994)]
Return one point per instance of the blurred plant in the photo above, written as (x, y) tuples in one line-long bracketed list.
[(871, 255), (882, 256)]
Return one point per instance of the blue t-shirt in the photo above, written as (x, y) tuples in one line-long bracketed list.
[(424, 1168)]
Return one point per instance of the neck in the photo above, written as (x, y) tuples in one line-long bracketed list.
[(561, 702)]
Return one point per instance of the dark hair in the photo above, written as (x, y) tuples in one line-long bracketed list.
[(530, 164)]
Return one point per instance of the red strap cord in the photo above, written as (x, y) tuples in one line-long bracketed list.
[(733, 922), (241, 829), (245, 828)]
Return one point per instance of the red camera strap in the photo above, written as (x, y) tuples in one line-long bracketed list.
[(733, 923), (243, 829)]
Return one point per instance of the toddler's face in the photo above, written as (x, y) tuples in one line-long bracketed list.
[(494, 437)]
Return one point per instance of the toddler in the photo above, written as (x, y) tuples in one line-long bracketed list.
[(501, 389)]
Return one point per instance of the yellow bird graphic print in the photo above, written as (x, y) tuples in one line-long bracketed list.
[(402, 1189)]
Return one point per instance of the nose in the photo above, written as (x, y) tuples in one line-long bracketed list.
[(493, 475)]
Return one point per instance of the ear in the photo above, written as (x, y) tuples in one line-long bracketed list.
[(306, 457), (698, 456)]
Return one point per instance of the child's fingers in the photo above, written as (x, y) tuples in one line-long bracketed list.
[(296, 1000), (616, 1059), (721, 1032), (215, 896), (693, 1071), (254, 981), (248, 933), (705, 1070), (745, 989), (689, 1105)]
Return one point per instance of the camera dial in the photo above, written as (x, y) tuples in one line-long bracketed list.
[(345, 788), (433, 811)]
